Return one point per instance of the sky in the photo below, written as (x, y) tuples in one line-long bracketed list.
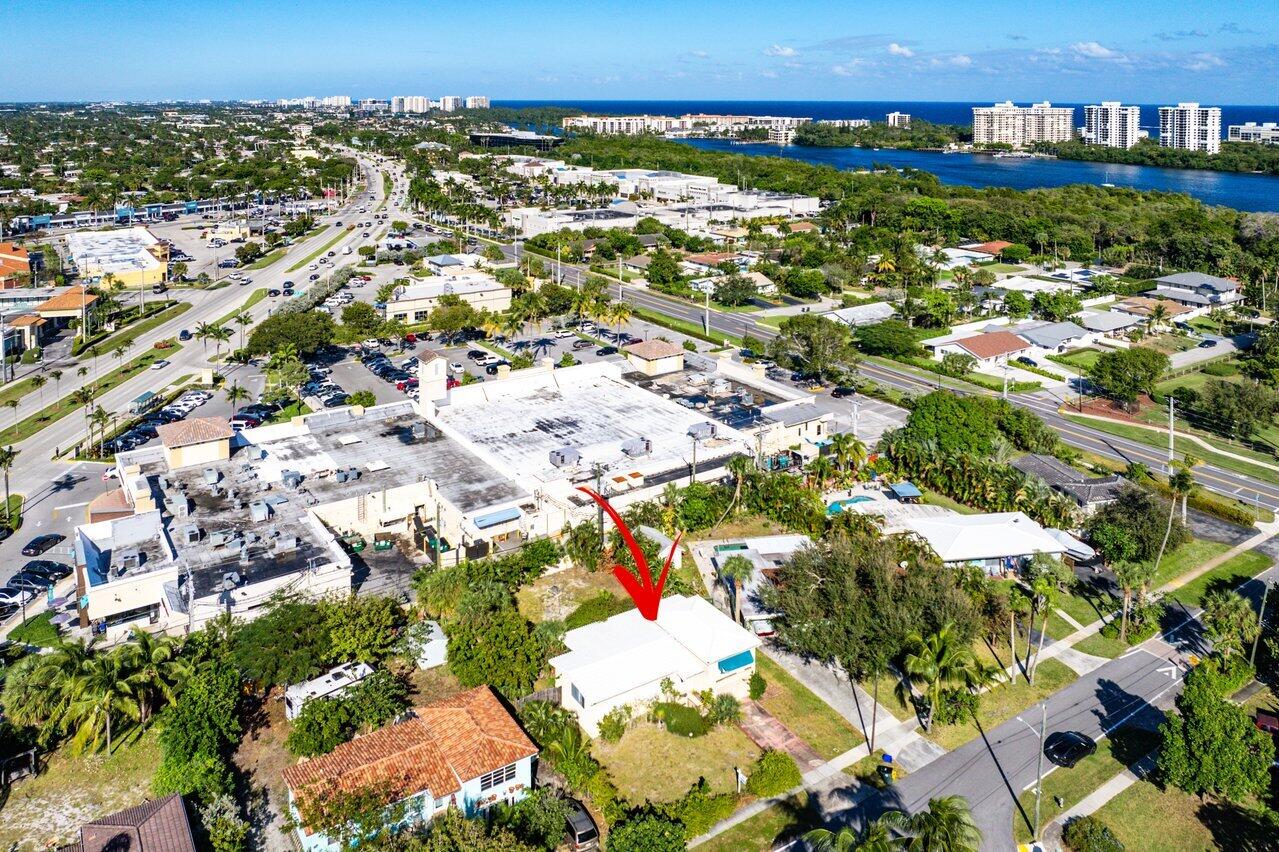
[(1136, 51)]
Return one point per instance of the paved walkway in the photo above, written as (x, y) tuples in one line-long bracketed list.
[(1189, 437), (768, 732)]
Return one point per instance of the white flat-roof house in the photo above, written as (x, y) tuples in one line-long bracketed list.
[(625, 659), (996, 542), (414, 303), (1196, 291)]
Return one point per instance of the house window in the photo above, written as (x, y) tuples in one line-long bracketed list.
[(577, 696), (497, 778)]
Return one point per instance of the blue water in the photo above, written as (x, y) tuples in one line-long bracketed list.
[(1229, 189)]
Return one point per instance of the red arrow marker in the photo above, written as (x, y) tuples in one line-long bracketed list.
[(647, 596)]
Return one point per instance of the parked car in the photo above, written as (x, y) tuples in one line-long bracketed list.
[(47, 568), (10, 595), (606, 350), (1207, 343), (565, 332), (456, 367), (273, 293), (184, 334), (491, 369), (581, 833), (1066, 748), (41, 543), (29, 582), (579, 345), (842, 391)]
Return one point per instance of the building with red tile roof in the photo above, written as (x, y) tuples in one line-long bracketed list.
[(15, 265), (992, 248), (465, 751), (160, 825)]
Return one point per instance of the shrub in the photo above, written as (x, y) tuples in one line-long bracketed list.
[(773, 774), (690, 346), (1089, 834), (31, 355), (680, 719), (723, 709), (603, 793), (614, 723), (757, 686), (601, 606), (646, 830), (956, 705), (1221, 368), (699, 808)]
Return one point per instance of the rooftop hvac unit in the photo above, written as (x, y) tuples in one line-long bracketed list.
[(244, 554), (340, 476), (352, 473), (230, 580), (129, 558), (719, 387), (637, 447), (286, 543), (747, 398), (211, 476), (219, 538), (291, 478), (257, 453), (702, 431), (259, 511), (190, 534), (179, 505), (419, 431), (565, 457)]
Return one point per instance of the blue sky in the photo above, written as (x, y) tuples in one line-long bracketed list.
[(1136, 51)]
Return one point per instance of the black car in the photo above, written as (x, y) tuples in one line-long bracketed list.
[(5, 532), (1066, 748), (273, 293), (288, 291), (47, 568), (841, 392), (1207, 343), (579, 345), (491, 369), (476, 354), (606, 350), (41, 543)]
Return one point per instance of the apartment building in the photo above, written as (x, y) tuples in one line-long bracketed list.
[(847, 123), (477, 102), (1190, 127), (336, 101), (1009, 124), (1265, 134), (634, 125), (450, 103), (898, 119), (410, 104), (1110, 124)]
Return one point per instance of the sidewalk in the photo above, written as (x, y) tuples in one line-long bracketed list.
[(1159, 430), (1095, 800)]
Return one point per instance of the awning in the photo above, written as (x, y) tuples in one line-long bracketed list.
[(492, 519), (904, 490), (1074, 547)]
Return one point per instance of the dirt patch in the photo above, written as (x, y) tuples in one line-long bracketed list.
[(1101, 407), (260, 760), (552, 597)]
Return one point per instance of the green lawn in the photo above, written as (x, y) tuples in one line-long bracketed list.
[(1169, 343), (295, 409), (254, 297), (1081, 359), (13, 512), (1228, 574), (808, 717), (783, 821), (1004, 702), (692, 329), (651, 763), (1102, 646), (1113, 755), (1187, 557), (1003, 267), (1155, 819), (934, 498), (36, 630), (321, 250)]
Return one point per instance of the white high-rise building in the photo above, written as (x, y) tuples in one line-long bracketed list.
[(336, 101), (1010, 124), (1190, 127), (1265, 134), (1112, 125), (477, 102), (450, 103), (410, 103), (899, 119)]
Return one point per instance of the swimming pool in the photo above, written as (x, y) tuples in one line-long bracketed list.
[(838, 506)]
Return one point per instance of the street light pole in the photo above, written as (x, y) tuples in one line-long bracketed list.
[(1261, 625), (1039, 785)]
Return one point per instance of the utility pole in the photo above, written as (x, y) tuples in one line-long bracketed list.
[(1006, 369), (707, 321), (693, 476), (1261, 625), (1039, 785), (857, 407), (1172, 425)]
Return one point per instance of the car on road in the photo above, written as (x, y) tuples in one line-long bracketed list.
[(843, 391), (314, 276), (273, 293), (41, 543), (580, 831), (184, 334), (110, 474), (288, 291), (1207, 343), (160, 365), (1066, 748)]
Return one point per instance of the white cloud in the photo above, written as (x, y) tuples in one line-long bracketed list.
[(1093, 50), (961, 60), (780, 50), (848, 69), (898, 50), (1205, 62)]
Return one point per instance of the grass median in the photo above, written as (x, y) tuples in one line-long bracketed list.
[(254, 297), (341, 232), (133, 332), (54, 412)]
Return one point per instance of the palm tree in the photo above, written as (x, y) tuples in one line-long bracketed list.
[(98, 693), (203, 332), (243, 319), (1131, 575), (38, 382), (1158, 315), (947, 826), (873, 836), (820, 470), (235, 393), (940, 661), (83, 396), (1181, 482), (219, 335), (8, 456), (101, 419), (1230, 620), (1044, 594), (849, 451), (620, 313), (737, 569), (56, 375), (156, 670)]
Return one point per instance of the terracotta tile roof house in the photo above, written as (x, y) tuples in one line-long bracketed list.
[(992, 248), (711, 258), (992, 344), (193, 430), (13, 262), (72, 299), (160, 825), (1141, 306), (653, 350), (439, 748)]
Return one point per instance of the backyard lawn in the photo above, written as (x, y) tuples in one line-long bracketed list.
[(651, 763), (783, 821), (48, 810), (1155, 819), (808, 717), (1080, 358)]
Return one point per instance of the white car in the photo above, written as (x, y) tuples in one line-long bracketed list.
[(565, 332), (488, 360), (160, 365), (372, 343), (10, 595), (457, 368)]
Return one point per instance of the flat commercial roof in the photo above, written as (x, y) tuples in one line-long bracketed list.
[(515, 423), (124, 250)]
